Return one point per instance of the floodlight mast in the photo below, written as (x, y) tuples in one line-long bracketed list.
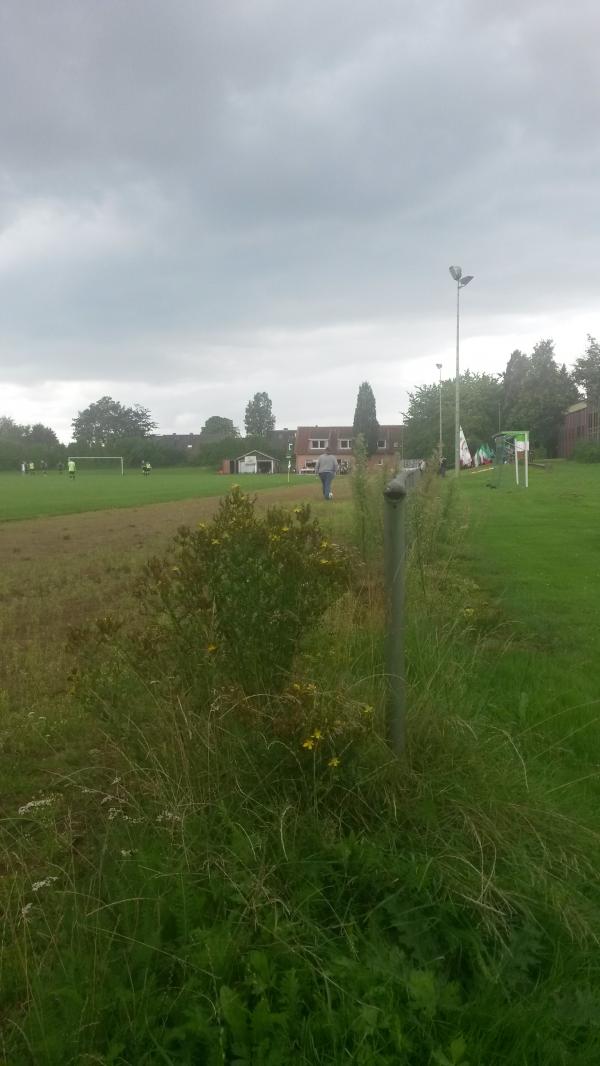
[(457, 275), (441, 445)]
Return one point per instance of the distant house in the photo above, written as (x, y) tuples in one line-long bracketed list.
[(311, 442), (581, 422), (283, 439), (252, 462), (182, 441)]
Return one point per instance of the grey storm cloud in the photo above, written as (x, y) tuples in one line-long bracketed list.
[(179, 178)]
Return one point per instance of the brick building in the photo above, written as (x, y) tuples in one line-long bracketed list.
[(311, 442), (581, 422)]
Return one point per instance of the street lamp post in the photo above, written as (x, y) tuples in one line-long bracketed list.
[(438, 365), (457, 274)]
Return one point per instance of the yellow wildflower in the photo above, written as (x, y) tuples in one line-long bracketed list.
[(297, 510), (309, 744), (285, 529), (201, 525), (318, 734), (367, 709), (334, 761), (175, 569), (324, 544), (212, 647), (468, 612), (215, 540), (324, 562)]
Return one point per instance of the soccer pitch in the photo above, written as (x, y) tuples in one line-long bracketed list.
[(40, 495)]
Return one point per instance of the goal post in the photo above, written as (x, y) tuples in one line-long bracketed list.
[(101, 460)]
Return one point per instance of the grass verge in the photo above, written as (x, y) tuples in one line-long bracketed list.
[(228, 877)]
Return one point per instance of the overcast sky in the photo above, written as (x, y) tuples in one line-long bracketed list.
[(201, 199)]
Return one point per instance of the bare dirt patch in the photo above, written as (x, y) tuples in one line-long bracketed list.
[(147, 528)]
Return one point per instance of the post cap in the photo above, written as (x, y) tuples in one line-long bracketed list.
[(396, 488)]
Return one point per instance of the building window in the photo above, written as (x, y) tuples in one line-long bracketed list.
[(345, 444), (381, 444), (316, 445)]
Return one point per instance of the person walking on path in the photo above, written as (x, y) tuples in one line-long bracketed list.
[(326, 469)]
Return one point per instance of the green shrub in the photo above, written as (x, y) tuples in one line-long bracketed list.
[(586, 451), (235, 595)]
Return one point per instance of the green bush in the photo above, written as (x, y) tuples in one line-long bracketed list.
[(236, 595), (586, 451)]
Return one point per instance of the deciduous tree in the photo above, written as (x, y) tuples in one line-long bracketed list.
[(536, 395), (480, 396), (106, 420), (217, 428), (40, 434), (586, 372), (259, 418)]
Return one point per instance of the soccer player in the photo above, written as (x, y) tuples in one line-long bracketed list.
[(71, 469)]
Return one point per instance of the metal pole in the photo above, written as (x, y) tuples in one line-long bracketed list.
[(394, 546), (438, 365), (441, 437), (457, 398)]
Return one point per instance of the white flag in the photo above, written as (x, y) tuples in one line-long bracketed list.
[(464, 453)]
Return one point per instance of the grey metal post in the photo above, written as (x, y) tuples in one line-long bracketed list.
[(441, 440), (457, 387), (394, 547)]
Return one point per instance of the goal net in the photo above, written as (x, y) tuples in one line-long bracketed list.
[(99, 464)]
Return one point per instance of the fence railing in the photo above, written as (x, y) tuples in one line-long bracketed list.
[(394, 529)]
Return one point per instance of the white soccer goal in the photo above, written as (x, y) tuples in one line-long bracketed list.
[(99, 462)]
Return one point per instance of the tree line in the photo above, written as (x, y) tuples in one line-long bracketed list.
[(108, 425), (532, 393)]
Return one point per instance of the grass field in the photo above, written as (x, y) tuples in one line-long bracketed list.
[(55, 494), (196, 888), (537, 555)]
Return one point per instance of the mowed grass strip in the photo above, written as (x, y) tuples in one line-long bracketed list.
[(40, 495), (535, 554)]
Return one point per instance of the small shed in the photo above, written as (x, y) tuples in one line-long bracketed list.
[(253, 462)]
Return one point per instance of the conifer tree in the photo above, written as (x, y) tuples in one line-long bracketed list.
[(365, 417)]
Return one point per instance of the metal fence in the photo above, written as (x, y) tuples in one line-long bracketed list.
[(395, 507)]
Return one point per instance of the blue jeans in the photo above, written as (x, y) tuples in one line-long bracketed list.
[(326, 479)]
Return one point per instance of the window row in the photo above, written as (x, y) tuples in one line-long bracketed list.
[(344, 444)]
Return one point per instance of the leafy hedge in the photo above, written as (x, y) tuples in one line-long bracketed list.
[(586, 451)]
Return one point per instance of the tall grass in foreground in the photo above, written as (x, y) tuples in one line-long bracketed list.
[(238, 876)]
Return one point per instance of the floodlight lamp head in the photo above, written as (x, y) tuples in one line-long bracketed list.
[(465, 281), (456, 272), (439, 366)]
